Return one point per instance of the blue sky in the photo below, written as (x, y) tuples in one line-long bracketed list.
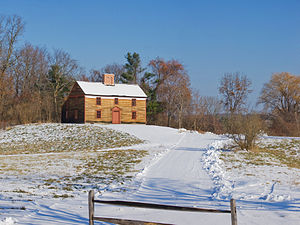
[(256, 38)]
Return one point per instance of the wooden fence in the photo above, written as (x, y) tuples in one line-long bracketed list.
[(93, 218)]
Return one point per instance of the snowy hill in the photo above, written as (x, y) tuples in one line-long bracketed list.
[(171, 166)]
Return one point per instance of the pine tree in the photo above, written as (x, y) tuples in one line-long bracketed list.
[(133, 68)]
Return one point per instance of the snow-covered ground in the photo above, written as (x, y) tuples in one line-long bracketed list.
[(183, 168)]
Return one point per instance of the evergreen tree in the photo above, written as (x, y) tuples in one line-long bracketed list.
[(133, 68)]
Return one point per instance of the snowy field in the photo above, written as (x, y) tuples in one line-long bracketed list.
[(46, 171)]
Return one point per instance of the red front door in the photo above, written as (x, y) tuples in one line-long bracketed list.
[(116, 115)]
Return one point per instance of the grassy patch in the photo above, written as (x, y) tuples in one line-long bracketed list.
[(46, 138), (67, 173), (286, 152), (67, 161), (280, 153), (114, 163), (105, 168), (20, 191), (63, 196)]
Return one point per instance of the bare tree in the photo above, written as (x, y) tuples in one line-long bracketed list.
[(160, 71), (206, 111), (212, 109), (282, 93), (29, 76), (114, 68), (235, 89), (95, 75), (281, 96), (174, 90), (184, 97), (10, 29), (61, 77), (243, 129), (68, 66), (83, 77)]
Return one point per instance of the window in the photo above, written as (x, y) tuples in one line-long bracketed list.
[(133, 115), (98, 100), (133, 102), (116, 101), (98, 114), (76, 114)]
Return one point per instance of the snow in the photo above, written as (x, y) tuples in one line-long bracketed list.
[(8, 221), (98, 88), (183, 168)]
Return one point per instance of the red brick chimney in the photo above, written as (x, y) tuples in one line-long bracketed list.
[(109, 79)]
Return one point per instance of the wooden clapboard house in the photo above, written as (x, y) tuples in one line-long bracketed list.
[(107, 102)]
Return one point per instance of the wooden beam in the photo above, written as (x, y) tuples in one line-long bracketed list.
[(91, 207), (127, 222), (158, 206), (233, 212)]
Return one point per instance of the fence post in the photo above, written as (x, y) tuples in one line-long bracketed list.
[(233, 212), (91, 207)]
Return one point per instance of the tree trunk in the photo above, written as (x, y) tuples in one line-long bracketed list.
[(180, 118), (297, 123), (55, 108), (169, 119)]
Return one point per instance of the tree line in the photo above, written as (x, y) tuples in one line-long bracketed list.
[(34, 83)]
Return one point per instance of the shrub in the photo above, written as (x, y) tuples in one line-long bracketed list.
[(244, 130)]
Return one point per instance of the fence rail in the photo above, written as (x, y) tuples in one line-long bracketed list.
[(92, 218)]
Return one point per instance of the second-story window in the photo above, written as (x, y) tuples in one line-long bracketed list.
[(134, 102), (98, 101), (116, 101)]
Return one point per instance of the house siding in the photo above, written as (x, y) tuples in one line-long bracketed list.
[(73, 106), (107, 104), (76, 91)]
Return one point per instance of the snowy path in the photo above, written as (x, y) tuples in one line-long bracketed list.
[(177, 178)]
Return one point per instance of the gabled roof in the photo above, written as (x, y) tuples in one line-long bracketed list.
[(122, 90)]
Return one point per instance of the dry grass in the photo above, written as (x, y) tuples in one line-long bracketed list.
[(60, 160), (69, 172), (281, 153), (47, 138)]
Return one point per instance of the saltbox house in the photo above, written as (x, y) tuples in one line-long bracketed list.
[(107, 102)]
